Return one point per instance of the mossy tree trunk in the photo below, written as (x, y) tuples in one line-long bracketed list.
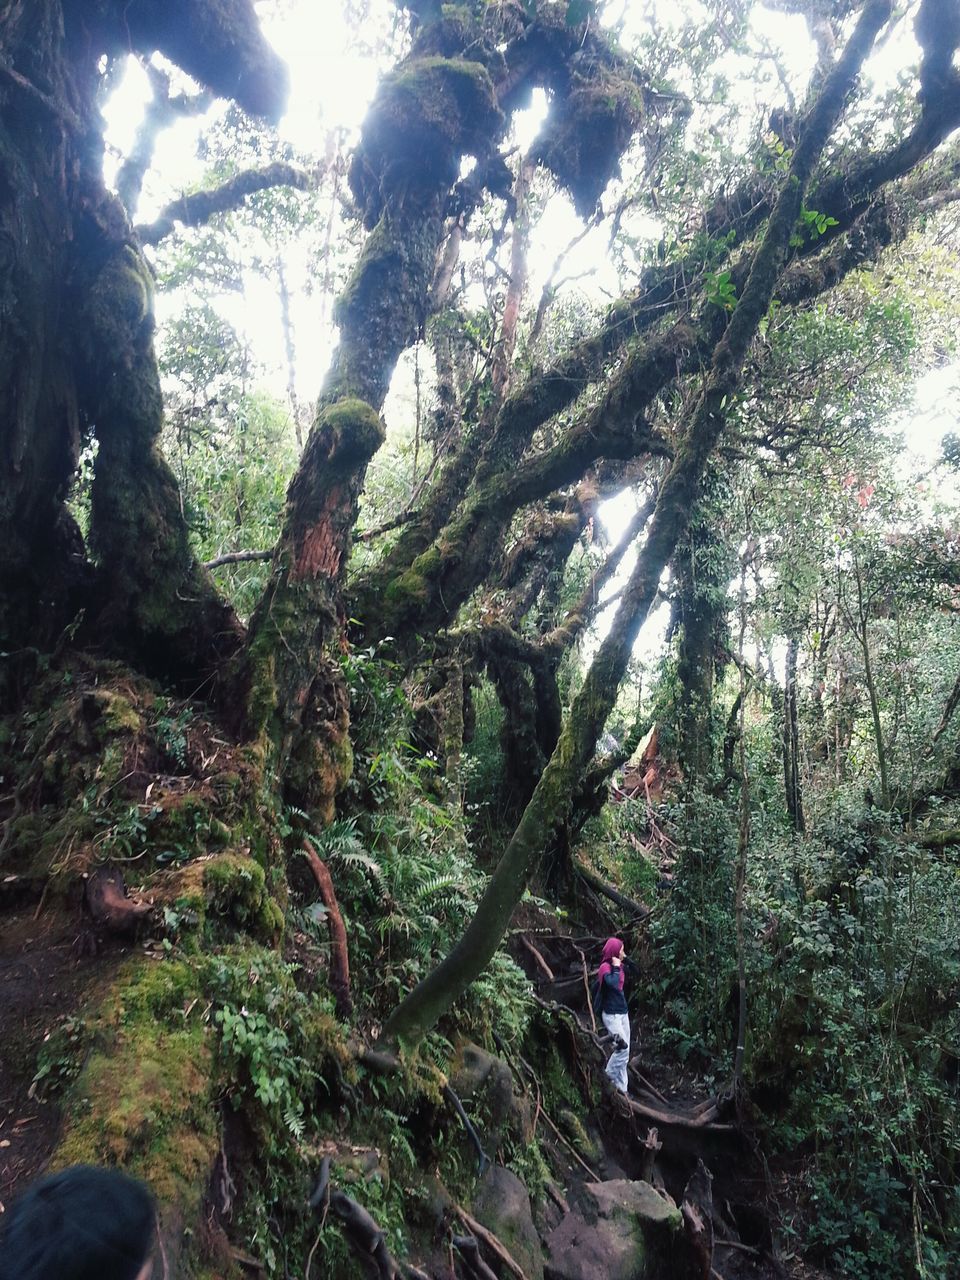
[(428, 113), (702, 569), (551, 801), (76, 356)]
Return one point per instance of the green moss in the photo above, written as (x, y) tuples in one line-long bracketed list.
[(580, 1140), (117, 714), (235, 887), (143, 1101), (120, 301), (356, 425), (415, 584)]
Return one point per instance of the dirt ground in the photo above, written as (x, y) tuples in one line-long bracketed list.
[(42, 981)]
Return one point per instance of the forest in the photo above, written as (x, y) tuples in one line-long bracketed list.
[(478, 480)]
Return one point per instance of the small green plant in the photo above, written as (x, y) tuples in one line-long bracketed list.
[(60, 1058), (170, 731), (720, 289)]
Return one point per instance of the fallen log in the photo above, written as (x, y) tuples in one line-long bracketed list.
[(636, 909)]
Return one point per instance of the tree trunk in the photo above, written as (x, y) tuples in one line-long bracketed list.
[(701, 572), (791, 741), (76, 355), (292, 687)]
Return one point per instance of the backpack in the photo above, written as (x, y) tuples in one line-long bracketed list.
[(598, 998)]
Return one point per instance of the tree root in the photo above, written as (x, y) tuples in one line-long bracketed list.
[(105, 899), (360, 1228), (538, 956), (469, 1251), (696, 1209), (484, 1159), (339, 955), (492, 1242)]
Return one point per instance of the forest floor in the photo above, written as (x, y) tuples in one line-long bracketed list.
[(45, 980), (48, 977)]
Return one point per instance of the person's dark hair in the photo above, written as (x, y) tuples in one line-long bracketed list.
[(82, 1224)]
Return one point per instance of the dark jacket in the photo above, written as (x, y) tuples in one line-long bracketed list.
[(612, 999)]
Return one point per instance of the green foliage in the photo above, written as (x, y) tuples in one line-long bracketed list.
[(720, 290), (850, 1023), (60, 1057), (695, 935)]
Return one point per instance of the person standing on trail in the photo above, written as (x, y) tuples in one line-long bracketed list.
[(613, 1009), (85, 1223)]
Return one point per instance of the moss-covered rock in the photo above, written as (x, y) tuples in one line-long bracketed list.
[(623, 1231), (227, 887), (502, 1204)]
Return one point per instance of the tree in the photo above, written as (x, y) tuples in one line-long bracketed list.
[(76, 358), (541, 411)]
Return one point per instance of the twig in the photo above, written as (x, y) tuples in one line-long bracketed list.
[(735, 1244), (586, 988), (571, 1148)]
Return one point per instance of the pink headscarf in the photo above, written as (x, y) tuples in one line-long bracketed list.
[(612, 947)]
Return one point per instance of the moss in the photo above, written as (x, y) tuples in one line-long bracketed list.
[(428, 114), (230, 887), (590, 127), (235, 886), (444, 100), (356, 426), (417, 582), (580, 1140), (120, 301), (143, 1100), (117, 714)]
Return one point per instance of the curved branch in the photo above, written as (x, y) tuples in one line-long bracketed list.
[(198, 208)]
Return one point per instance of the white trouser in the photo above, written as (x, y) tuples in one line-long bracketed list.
[(618, 1024)]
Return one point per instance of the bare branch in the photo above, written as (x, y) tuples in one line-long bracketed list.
[(162, 111), (237, 557), (198, 208)]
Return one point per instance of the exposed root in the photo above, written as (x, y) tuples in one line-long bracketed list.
[(339, 955), (105, 899)]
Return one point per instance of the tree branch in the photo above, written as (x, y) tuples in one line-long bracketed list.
[(198, 208), (552, 799), (237, 557)]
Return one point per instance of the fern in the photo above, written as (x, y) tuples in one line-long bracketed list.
[(293, 1119)]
